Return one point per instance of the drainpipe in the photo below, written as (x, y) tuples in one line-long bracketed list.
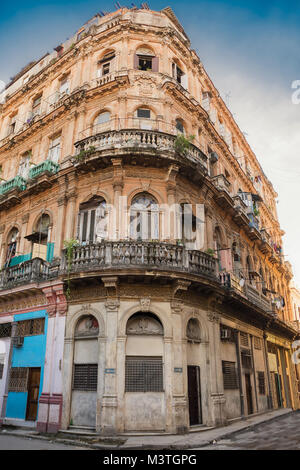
[(254, 372), (238, 356), (5, 395), (270, 398)]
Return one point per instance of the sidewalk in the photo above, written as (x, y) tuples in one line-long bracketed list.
[(152, 442)]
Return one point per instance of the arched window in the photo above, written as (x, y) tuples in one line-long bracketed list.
[(106, 65), (12, 241), (144, 59), (102, 122), (92, 221), (179, 126), (144, 218), (188, 225)]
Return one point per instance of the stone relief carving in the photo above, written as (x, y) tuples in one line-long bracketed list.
[(145, 304), (144, 325), (193, 331), (87, 326)]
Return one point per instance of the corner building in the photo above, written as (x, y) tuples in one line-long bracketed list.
[(140, 321)]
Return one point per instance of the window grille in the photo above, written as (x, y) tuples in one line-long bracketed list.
[(226, 333), (246, 359), (5, 330), (230, 379), (32, 327), (18, 379), (244, 339), (257, 342), (1, 370), (143, 113), (143, 374), (85, 377), (261, 383)]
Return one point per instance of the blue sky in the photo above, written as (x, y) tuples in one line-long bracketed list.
[(251, 50)]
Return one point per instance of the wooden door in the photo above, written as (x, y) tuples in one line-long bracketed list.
[(194, 392), (33, 393), (249, 394)]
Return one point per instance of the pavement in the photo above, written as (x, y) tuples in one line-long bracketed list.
[(226, 436)]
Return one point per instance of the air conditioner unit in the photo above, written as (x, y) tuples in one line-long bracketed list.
[(18, 341), (225, 333)]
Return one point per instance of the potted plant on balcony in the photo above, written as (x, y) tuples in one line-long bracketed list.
[(84, 153), (183, 144), (210, 252)]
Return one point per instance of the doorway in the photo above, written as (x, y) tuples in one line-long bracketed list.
[(33, 393), (249, 394), (194, 393)]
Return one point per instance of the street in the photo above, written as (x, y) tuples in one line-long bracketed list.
[(280, 434), (23, 443)]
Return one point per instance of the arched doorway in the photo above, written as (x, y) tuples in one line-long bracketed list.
[(85, 372), (144, 377)]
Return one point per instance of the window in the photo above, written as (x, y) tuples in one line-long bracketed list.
[(5, 330), (92, 221), (106, 64), (64, 86), (177, 73), (18, 379), (36, 105), (11, 245), (244, 339), (246, 358), (257, 342), (24, 165), (261, 383), (85, 377), (32, 327), (13, 124), (1, 370), (54, 149), (145, 60), (143, 374), (179, 126), (143, 113), (101, 119), (144, 218), (230, 379)]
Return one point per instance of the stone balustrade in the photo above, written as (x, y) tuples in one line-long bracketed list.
[(148, 255), (140, 139), (34, 270)]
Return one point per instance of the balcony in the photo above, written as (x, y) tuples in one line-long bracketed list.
[(33, 271), (40, 176), (154, 146), (223, 197), (247, 291), (265, 246), (135, 256), (240, 214), (9, 192)]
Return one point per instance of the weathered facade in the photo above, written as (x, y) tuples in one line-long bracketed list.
[(145, 323)]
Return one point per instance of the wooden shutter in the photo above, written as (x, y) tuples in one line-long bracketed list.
[(143, 374), (155, 64), (135, 62), (229, 375), (85, 377)]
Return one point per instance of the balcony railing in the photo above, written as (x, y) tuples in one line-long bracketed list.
[(18, 182), (149, 255), (46, 166), (246, 290), (222, 183), (34, 270), (134, 138)]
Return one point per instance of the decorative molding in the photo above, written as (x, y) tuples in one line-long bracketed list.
[(112, 305), (213, 317), (145, 304), (111, 285)]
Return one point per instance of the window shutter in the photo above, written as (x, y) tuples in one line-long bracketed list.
[(135, 62), (155, 63)]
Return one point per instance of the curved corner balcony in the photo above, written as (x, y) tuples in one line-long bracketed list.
[(137, 257), (35, 270), (134, 138)]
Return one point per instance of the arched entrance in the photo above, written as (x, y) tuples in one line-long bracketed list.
[(85, 372)]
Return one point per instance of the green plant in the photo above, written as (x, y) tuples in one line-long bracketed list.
[(183, 144), (69, 246), (85, 153), (210, 251)]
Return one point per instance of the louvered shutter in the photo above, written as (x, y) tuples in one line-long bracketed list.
[(135, 62), (155, 64)]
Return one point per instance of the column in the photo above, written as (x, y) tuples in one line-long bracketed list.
[(5, 394)]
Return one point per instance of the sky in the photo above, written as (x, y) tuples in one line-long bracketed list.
[(250, 49)]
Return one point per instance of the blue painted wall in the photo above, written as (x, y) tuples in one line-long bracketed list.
[(31, 354)]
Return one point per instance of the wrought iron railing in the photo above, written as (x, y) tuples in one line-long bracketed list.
[(46, 166), (17, 182)]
